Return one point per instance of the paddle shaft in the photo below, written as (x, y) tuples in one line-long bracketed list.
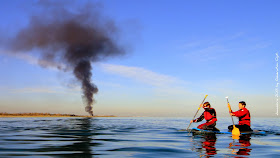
[(235, 131), (197, 112), (230, 114)]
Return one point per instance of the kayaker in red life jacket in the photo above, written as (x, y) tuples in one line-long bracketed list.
[(210, 116), (244, 117)]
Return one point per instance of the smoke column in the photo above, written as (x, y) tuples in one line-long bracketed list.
[(73, 39)]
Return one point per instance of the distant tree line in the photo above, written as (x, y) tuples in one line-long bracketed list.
[(3, 114), (34, 114)]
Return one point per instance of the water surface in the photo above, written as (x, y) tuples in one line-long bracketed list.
[(130, 137)]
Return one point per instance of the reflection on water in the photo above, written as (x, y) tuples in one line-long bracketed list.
[(125, 137), (242, 147), (80, 145), (205, 144), (65, 138), (209, 144)]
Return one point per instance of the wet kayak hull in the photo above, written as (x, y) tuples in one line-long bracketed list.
[(201, 131)]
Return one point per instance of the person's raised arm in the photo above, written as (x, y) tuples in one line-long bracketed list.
[(200, 118)]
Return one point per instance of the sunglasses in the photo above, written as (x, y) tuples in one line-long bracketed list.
[(206, 105)]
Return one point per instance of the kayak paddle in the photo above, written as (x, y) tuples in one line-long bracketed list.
[(235, 131), (197, 111)]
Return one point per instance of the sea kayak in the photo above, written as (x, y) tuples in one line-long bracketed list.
[(201, 131)]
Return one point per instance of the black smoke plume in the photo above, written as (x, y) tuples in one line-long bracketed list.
[(69, 40)]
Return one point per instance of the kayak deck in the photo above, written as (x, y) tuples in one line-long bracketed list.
[(201, 131)]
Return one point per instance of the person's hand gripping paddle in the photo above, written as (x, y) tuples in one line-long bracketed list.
[(197, 111), (235, 131)]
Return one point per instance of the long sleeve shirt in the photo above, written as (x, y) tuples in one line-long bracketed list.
[(209, 114), (244, 116)]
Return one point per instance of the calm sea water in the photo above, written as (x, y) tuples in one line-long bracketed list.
[(130, 137)]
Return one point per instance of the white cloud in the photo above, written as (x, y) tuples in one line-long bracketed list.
[(141, 74), (208, 53), (33, 90), (209, 42), (50, 90), (34, 60), (216, 48)]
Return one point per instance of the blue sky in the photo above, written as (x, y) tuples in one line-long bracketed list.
[(178, 51)]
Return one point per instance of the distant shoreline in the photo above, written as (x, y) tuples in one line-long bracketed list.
[(47, 115)]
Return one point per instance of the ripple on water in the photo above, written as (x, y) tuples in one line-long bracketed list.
[(125, 137)]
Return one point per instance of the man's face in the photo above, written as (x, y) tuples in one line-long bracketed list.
[(240, 106)]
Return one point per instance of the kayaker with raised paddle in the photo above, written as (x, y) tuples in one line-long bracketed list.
[(243, 114), (210, 116)]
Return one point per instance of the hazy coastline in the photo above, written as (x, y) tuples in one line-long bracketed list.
[(47, 115)]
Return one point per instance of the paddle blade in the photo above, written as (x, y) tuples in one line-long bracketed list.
[(235, 137), (235, 131)]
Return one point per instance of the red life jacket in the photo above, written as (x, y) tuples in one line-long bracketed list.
[(244, 116), (210, 114)]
